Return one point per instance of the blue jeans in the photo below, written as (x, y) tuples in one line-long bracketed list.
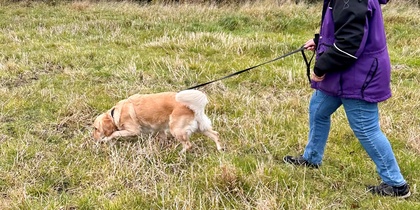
[(363, 118)]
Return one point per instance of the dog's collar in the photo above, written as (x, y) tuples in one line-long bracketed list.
[(112, 113), (113, 119)]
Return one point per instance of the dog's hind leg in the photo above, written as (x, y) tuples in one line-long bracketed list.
[(182, 136), (186, 145), (184, 139), (215, 137)]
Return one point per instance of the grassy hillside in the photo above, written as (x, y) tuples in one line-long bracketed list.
[(62, 65)]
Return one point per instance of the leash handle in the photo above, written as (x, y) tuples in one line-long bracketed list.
[(307, 63), (301, 49)]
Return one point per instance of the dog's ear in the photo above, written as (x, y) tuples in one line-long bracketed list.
[(108, 126)]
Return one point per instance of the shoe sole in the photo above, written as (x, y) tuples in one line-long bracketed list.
[(405, 196), (396, 196), (307, 165)]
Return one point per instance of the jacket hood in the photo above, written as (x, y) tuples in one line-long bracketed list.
[(383, 1)]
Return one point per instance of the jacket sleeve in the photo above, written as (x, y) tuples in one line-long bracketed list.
[(350, 17)]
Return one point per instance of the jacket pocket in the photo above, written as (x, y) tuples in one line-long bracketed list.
[(370, 75)]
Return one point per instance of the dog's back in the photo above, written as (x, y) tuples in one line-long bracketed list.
[(153, 109)]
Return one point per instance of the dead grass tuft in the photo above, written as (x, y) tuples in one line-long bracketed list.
[(80, 5)]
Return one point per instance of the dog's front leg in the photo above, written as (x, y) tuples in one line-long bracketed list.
[(118, 134)]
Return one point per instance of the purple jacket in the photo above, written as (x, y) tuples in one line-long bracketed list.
[(352, 52)]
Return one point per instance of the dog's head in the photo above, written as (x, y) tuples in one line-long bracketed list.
[(103, 126)]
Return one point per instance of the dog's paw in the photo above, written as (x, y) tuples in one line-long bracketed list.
[(104, 140), (221, 149)]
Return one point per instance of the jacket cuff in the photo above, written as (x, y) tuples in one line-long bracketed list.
[(318, 72)]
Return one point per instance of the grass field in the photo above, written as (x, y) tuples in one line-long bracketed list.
[(62, 65)]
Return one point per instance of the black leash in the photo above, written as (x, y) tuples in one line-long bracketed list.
[(308, 67), (308, 64)]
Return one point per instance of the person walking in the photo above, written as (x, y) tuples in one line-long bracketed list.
[(352, 69)]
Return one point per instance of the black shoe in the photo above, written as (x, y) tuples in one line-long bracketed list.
[(386, 190), (300, 161)]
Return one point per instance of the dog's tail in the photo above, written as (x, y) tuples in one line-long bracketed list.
[(196, 101)]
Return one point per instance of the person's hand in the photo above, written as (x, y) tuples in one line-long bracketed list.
[(309, 45), (316, 78)]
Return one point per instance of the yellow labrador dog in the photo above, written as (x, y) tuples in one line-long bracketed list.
[(182, 114)]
